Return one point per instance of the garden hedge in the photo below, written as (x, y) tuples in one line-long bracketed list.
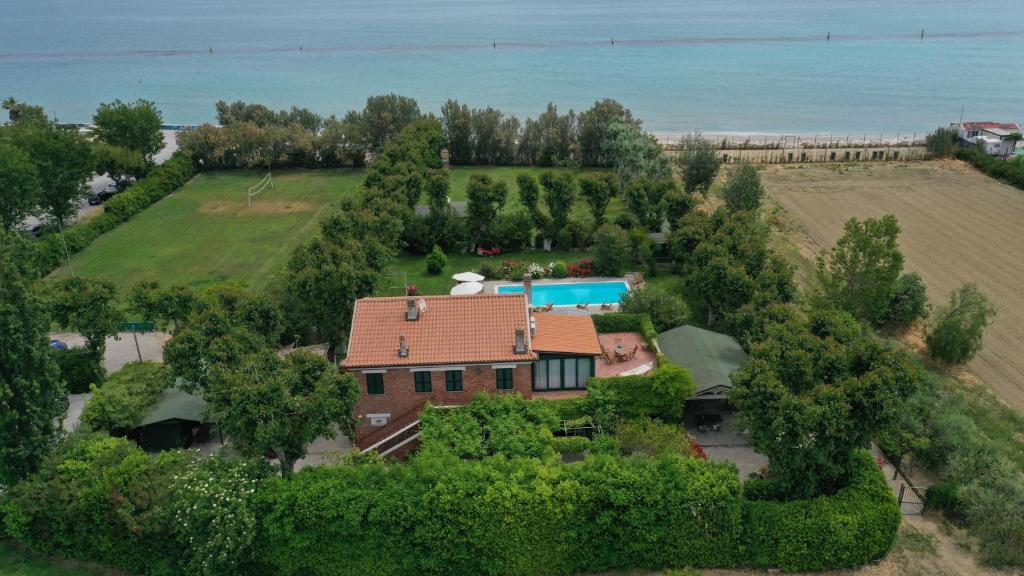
[(102, 499), (1010, 171), (79, 368), (619, 322), (856, 525), (163, 180)]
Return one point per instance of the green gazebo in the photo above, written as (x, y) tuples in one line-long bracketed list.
[(173, 422), (711, 357)]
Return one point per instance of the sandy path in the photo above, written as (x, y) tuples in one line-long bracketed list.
[(958, 226)]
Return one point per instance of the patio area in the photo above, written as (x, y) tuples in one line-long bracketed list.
[(624, 343), (722, 441)]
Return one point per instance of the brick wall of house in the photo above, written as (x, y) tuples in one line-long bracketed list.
[(400, 395)]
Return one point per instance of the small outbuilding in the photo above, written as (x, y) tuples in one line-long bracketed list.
[(175, 421), (711, 358)]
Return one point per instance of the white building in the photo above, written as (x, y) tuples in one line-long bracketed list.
[(997, 138)]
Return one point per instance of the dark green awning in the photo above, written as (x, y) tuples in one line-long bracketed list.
[(176, 404)]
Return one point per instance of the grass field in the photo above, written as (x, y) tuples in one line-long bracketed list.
[(204, 233), (958, 226)]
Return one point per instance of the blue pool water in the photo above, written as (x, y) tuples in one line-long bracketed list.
[(593, 293)]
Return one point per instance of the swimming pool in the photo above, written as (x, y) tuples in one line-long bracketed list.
[(571, 293)]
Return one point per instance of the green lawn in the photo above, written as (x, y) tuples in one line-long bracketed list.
[(204, 233), (16, 562)]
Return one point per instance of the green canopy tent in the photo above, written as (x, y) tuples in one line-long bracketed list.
[(173, 422), (711, 358)]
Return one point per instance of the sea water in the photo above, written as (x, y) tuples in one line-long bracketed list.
[(772, 66)]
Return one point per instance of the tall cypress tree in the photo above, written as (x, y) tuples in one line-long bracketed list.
[(32, 394)]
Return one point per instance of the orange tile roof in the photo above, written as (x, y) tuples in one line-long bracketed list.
[(451, 330), (566, 333)]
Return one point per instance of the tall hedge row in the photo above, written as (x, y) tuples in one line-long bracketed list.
[(163, 180), (103, 499), (1010, 171), (621, 322)]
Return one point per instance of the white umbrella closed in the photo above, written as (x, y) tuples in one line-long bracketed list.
[(468, 277), (467, 288)]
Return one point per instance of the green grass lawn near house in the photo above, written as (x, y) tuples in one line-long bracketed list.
[(205, 233)]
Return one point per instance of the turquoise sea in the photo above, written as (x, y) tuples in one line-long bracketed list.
[(712, 65)]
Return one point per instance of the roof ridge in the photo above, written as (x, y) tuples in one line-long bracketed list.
[(442, 296)]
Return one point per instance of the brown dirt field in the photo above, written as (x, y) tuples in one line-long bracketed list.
[(958, 226), (260, 207)]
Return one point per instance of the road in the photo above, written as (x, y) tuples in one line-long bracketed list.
[(100, 182)]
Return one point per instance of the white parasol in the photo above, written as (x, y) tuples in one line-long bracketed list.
[(467, 288), (468, 277)]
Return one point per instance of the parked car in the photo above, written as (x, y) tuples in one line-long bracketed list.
[(100, 197), (58, 345)]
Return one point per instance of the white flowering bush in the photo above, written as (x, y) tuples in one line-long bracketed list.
[(216, 518), (536, 270)]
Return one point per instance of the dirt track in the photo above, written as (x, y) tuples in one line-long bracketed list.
[(958, 226)]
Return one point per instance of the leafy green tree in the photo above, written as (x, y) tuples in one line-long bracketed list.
[(861, 270), (87, 306), (126, 397), (130, 125), (645, 199), (172, 303), (64, 162), (954, 335), (121, 164), (743, 190), (227, 324), (815, 391), (598, 190), (320, 285), (559, 196), (443, 223), (941, 143), (699, 162), (677, 203), (486, 197), (514, 230), (611, 250), (458, 129), (32, 396), (634, 153), (907, 302), (666, 310), (529, 196), (19, 186), (384, 117), (594, 127), (269, 403), (550, 140)]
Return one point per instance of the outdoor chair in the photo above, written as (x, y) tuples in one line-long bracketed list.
[(606, 306), (546, 308), (607, 357), (583, 306)]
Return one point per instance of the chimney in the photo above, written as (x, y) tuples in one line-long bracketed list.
[(520, 342), (533, 325), (528, 288), (403, 348), (412, 312)]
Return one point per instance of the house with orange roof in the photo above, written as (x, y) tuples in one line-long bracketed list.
[(996, 138), (445, 350)]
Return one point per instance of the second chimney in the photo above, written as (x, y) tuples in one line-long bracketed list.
[(412, 312), (528, 288), (403, 348), (520, 342)]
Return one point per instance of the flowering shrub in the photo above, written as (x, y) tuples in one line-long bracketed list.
[(581, 269), (410, 290), (536, 270), (214, 507), (696, 450), (512, 269)]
